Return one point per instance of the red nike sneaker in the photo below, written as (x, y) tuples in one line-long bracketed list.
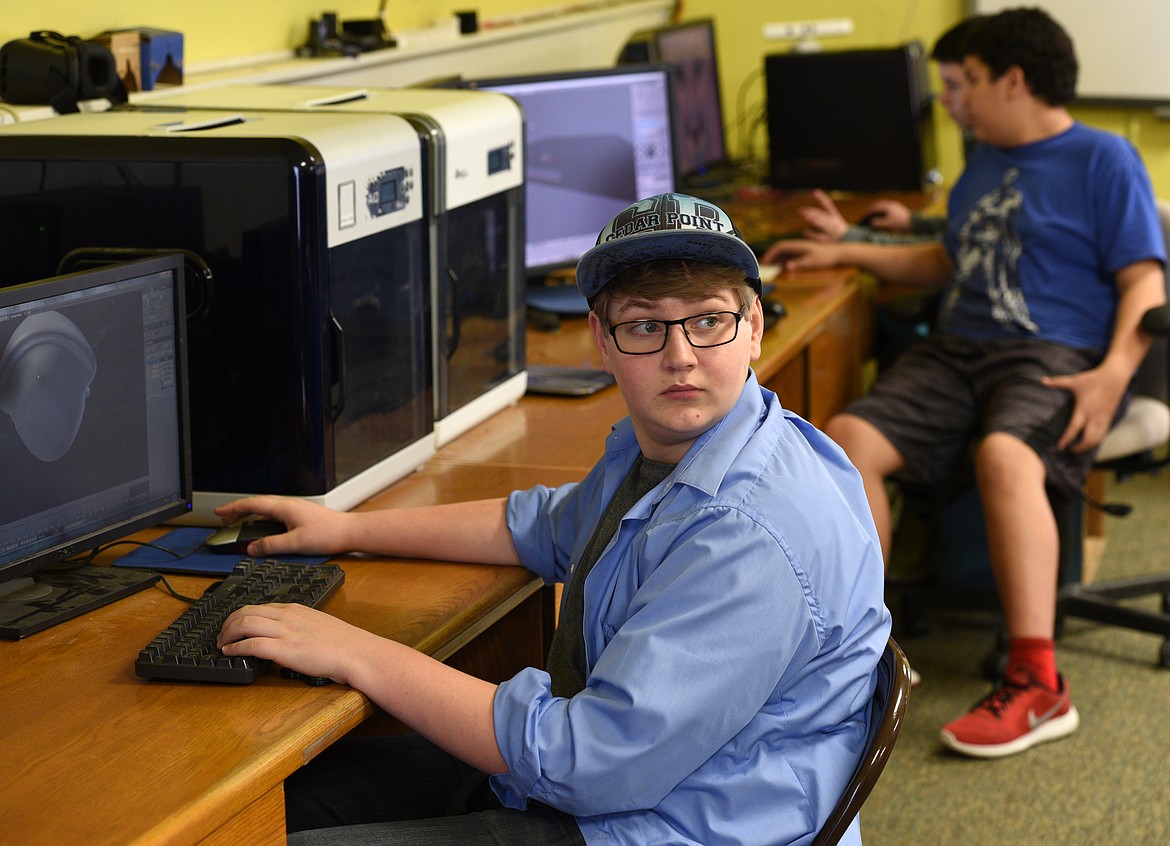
[(1016, 716)]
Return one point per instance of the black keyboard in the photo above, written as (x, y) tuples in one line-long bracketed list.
[(186, 651)]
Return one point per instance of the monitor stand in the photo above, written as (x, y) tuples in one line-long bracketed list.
[(28, 606), (24, 589)]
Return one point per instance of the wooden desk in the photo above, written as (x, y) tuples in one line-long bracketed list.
[(814, 358), (92, 754)]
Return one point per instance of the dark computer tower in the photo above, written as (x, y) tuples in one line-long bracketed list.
[(309, 334), (474, 147), (854, 120)]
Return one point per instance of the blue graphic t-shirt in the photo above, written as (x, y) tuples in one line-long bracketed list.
[(1037, 232)]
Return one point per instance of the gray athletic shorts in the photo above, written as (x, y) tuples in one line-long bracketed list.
[(946, 392)]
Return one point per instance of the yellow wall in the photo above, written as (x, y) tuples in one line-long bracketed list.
[(883, 23), (220, 29), (876, 23), (215, 30)]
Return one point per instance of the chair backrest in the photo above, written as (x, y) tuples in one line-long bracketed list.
[(1153, 375), (1146, 424), (889, 708)]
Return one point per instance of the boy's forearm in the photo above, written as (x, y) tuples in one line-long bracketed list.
[(474, 532), (450, 708), (1142, 286), (925, 265)]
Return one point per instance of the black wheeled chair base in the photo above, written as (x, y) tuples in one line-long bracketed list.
[(1102, 603)]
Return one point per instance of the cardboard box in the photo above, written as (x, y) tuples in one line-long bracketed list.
[(159, 55), (162, 57)]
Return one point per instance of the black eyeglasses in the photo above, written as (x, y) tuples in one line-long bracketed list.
[(646, 337)]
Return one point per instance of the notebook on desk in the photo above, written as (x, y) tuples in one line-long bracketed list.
[(556, 299), (566, 381)]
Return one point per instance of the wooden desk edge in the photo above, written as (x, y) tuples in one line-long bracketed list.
[(229, 811), (452, 644), (775, 354), (219, 814)]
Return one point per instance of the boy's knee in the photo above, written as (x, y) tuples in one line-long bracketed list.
[(844, 429), (1004, 459), (865, 445)]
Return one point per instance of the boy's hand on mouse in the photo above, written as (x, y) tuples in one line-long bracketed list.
[(312, 529), (888, 215)]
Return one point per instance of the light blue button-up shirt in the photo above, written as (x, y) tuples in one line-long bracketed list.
[(732, 627)]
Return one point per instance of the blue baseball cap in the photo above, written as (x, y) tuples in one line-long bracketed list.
[(665, 226)]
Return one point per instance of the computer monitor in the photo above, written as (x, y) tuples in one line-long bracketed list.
[(688, 49), (94, 441), (595, 142), (856, 120)]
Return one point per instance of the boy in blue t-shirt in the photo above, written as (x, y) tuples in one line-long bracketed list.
[(1053, 253)]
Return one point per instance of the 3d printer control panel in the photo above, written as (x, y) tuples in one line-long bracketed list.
[(389, 191), (500, 158)]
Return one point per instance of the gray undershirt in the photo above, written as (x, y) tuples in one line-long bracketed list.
[(566, 655)]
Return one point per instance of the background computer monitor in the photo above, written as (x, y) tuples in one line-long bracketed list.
[(595, 142), (850, 119), (688, 49), (94, 441)]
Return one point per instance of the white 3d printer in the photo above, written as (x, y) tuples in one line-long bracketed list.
[(308, 318), (475, 185)]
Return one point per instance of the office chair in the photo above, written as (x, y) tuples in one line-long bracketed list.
[(890, 697), (1131, 447)]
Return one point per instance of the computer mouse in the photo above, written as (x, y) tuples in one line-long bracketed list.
[(234, 539)]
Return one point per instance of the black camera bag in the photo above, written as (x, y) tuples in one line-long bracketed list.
[(48, 68)]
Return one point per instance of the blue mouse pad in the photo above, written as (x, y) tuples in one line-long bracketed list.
[(187, 554)]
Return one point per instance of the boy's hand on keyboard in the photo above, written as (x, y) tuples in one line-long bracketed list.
[(299, 638), (802, 255)]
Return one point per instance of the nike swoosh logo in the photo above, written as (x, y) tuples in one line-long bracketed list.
[(1034, 720)]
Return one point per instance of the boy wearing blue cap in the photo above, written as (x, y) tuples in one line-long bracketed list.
[(721, 622)]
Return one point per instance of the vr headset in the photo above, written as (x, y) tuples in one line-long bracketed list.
[(48, 68)]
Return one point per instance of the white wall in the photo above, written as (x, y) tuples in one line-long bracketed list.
[(1123, 46)]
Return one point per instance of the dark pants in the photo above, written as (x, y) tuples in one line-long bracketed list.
[(404, 790)]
